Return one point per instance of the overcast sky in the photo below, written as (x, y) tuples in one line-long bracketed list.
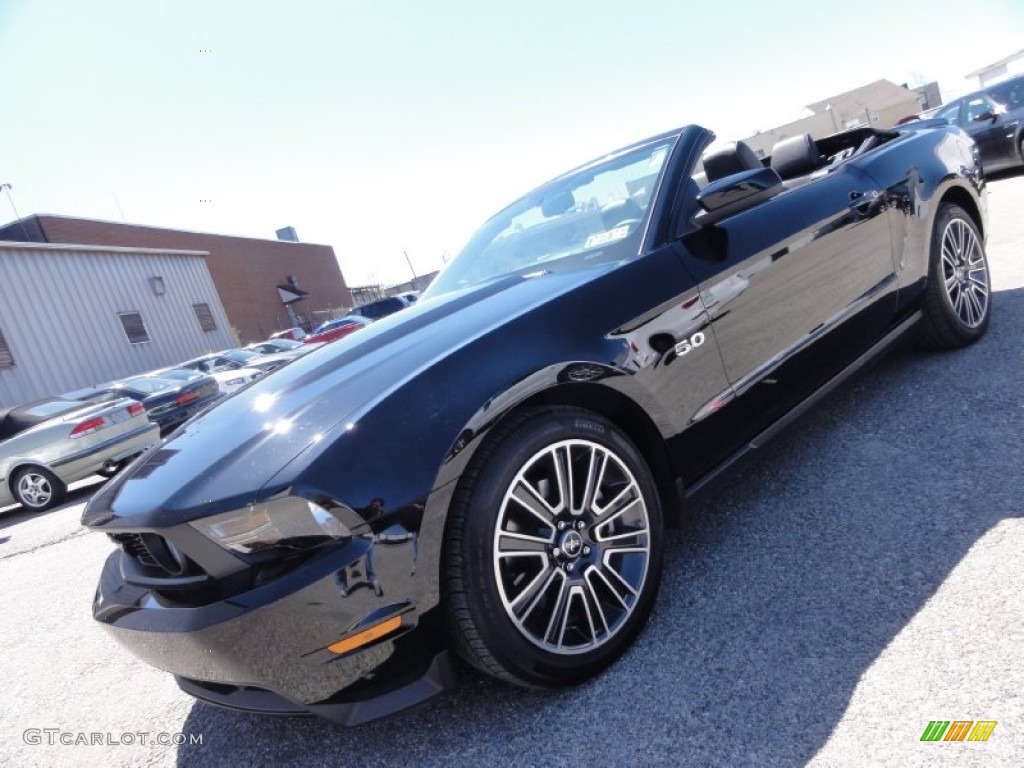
[(383, 126)]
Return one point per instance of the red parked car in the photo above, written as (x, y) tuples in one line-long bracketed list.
[(295, 334), (335, 329)]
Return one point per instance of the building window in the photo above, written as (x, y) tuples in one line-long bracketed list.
[(134, 328), (205, 317), (6, 358)]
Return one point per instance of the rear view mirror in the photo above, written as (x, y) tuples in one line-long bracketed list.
[(557, 204)]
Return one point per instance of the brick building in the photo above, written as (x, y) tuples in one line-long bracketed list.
[(247, 272)]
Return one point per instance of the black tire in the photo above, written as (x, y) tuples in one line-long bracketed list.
[(576, 574), (958, 296), (111, 471), (37, 489)]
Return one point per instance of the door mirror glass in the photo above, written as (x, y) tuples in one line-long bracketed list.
[(736, 193)]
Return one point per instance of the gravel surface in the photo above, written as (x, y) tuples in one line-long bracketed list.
[(861, 577)]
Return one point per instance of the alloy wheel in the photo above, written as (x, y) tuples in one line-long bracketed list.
[(572, 547), (34, 490), (965, 273)]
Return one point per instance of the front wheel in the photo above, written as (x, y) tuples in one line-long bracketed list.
[(957, 300), (553, 549)]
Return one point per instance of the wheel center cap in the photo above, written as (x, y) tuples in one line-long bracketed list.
[(572, 543), (960, 273)]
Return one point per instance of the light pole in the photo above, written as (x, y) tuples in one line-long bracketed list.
[(415, 277), (7, 188)]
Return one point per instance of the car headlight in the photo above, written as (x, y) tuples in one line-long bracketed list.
[(289, 524)]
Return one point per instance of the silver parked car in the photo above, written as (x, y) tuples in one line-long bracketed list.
[(38, 462), (231, 359)]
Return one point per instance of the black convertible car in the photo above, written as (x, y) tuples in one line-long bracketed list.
[(489, 472)]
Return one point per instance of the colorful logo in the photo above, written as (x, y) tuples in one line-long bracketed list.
[(958, 730)]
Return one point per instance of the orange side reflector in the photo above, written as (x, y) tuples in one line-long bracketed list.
[(375, 632)]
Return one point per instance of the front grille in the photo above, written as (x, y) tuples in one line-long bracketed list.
[(152, 551)]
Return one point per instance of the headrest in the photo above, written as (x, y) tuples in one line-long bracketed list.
[(732, 158), (796, 156), (619, 211)]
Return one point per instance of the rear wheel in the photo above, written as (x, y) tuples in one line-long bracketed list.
[(553, 550), (957, 301), (37, 489)]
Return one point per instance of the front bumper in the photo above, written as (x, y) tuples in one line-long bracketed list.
[(438, 677), (266, 649)]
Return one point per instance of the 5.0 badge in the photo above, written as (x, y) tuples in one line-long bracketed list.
[(686, 345)]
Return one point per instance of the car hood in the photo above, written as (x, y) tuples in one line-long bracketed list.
[(220, 460)]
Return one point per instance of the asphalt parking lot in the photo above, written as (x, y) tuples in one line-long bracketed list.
[(861, 578)]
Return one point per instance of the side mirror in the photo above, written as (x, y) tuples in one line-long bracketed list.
[(736, 193), (984, 116)]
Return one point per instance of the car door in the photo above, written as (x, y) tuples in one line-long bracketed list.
[(981, 120), (796, 287)]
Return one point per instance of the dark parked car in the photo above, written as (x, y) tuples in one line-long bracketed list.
[(168, 402), (227, 380), (490, 471), (994, 118), (336, 329), (375, 310)]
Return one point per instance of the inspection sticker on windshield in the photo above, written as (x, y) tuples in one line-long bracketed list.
[(607, 237)]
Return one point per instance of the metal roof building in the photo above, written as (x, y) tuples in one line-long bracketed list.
[(73, 316), (249, 272)]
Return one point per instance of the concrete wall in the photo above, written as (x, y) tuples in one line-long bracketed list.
[(59, 308)]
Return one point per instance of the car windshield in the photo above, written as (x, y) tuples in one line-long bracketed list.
[(180, 374), (281, 344), (241, 355), (330, 325), (147, 385), (55, 406), (595, 212)]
